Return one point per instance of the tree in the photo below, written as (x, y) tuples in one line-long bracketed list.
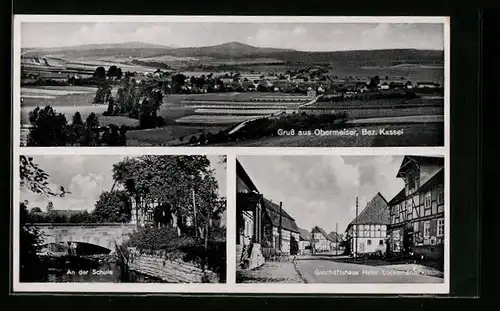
[(35, 209), (99, 73), (50, 207), (164, 179), (30, 237), (223, 160), (103, 93), (119, 73), (374, 82), (91, 134), (83, 217), (114, 136), (112, 206), (112, 71), (35, 179), (48, 128)]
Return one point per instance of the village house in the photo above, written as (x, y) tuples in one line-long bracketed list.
[(248, 224), (304, 241), (149, 213), (263, 227), (320, 241), (250, 76), (335, 239), (426, 85), (384, 86), (367, 233), (417, 211), (280, 232)]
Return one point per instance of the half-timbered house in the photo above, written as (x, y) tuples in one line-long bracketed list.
[(367, 233), (417, 211)]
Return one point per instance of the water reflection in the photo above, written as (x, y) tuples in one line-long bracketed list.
[(92, 269)]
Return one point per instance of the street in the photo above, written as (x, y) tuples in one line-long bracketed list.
[(328, 271)]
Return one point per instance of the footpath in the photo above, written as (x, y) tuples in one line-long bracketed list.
[(271, 272)]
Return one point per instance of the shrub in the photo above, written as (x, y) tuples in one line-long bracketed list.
[(166, 240), (156, 239)]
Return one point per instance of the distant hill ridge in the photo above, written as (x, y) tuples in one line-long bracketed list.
[(237, 50)]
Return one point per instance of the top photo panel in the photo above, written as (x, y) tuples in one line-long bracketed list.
[(225, 81)]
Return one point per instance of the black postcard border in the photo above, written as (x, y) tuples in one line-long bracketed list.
[(466, 132)]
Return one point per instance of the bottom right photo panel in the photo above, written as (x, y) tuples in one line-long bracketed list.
[(340, 219)]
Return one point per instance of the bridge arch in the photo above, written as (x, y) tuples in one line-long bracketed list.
[(104, 235)]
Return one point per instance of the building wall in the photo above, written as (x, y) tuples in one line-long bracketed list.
[(417, 223), (368, 245), (320, 243), (286, 237), (421, 217), (248, 228), (302, 247), (370, 238)]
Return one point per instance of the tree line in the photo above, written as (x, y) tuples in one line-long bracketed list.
[(111, 207), (49, 128)]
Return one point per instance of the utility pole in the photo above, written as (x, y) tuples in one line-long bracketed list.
[(357, 231), (336, 238)]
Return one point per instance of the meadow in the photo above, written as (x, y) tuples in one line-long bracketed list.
[(64, 99), (430, 134)]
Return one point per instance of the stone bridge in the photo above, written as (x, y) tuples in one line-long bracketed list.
[(106, 235)]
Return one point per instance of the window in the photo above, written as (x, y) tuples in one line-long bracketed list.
[(427, 229), (415, 227), (440, 227), (440, 196), (427, 200), (369, 242), (381, 242)]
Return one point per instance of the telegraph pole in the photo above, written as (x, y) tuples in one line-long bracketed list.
[(357, 231), (337, 238)]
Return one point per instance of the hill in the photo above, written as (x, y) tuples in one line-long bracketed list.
[(388, 57), (238, 51), (126, 49), (226, 50)]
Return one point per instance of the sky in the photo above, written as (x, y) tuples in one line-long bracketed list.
[(303, 37), (321, 190), (86, 177)]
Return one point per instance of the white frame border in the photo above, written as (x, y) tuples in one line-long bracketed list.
[(230, 152)]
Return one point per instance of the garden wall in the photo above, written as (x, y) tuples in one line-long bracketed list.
[(172, 271)]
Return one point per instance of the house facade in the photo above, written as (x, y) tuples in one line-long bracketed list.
[(367, 233), (321, 242), (304, 241), (417, 211), (335, 241), (149, 213), (280, 232), (263, 227), (248, 221)]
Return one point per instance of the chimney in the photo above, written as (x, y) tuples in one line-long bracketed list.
[(280, 224)]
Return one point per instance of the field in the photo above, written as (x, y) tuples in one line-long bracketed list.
[(431, 134), (167, 136), (188, 115), (64, 99)]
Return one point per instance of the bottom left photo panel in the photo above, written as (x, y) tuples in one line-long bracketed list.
[(120, 219)]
